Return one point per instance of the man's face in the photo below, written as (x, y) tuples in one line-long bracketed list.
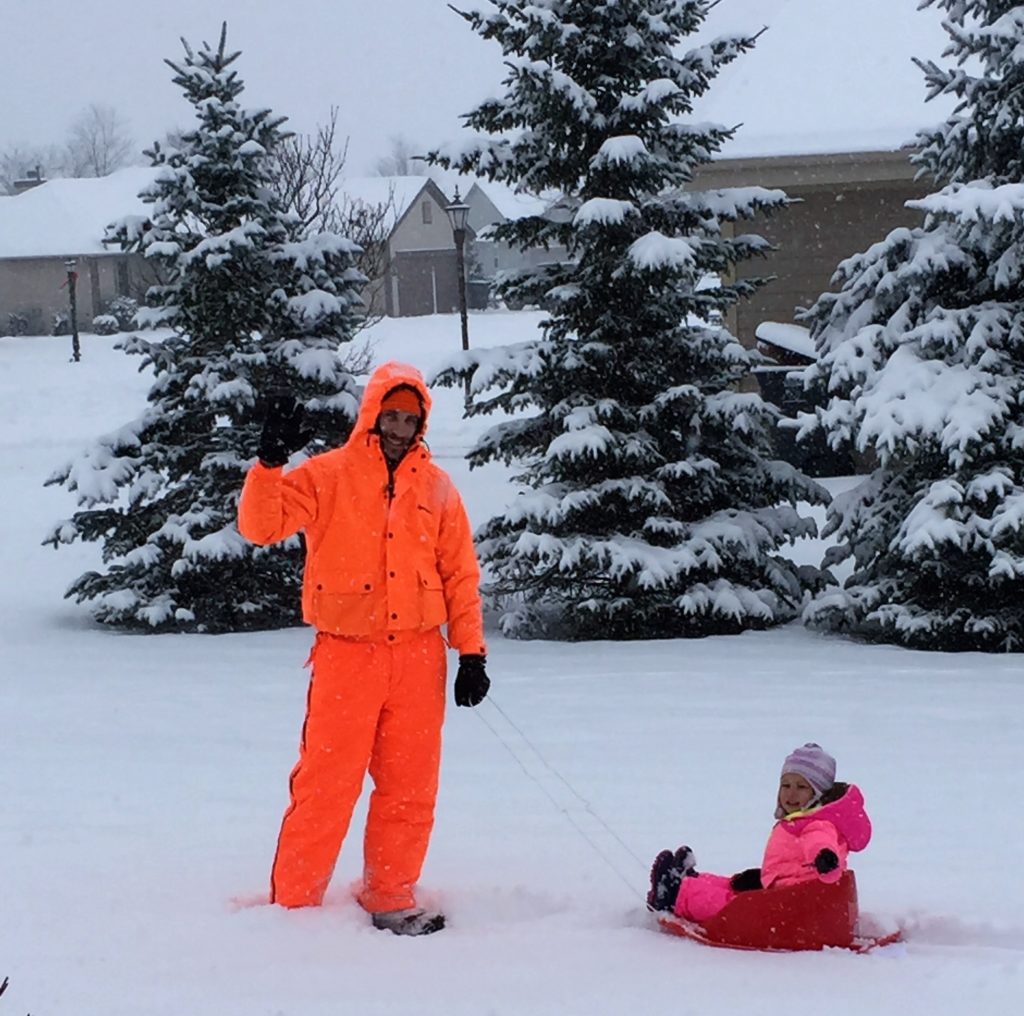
[(397, 430)]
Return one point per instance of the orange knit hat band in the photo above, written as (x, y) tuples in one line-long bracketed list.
[(403, 399)]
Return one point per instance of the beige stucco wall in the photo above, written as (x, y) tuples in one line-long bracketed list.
[(845, 203), (812, 237), (31, 288)]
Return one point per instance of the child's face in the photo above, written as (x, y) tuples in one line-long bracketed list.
[(795, 792)]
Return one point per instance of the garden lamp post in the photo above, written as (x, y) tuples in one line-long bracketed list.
[(72, 280), (458, 212)]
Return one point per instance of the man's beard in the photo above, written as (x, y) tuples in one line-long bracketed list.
[(394, 451)]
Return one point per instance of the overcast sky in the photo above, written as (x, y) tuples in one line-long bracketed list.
[(405, 67), (410, 67)]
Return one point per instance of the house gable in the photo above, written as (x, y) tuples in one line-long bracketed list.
[(423, 224)]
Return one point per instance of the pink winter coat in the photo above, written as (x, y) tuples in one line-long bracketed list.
[(842, 826), (796, 840)]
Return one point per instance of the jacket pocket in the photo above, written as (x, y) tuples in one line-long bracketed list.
[(431, 597), (355, 613)]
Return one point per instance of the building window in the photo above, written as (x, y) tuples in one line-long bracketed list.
[(428, 213)]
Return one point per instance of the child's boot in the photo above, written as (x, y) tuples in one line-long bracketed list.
[(685, 862), (665, 879)]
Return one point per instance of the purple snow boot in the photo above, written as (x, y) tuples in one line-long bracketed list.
[(664, 882), (667, 873), (685, 861)]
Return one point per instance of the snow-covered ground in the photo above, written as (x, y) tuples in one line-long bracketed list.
[(143, 779)]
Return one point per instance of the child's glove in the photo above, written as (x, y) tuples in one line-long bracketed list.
[(471, 682), (826, 861), (746, 881)]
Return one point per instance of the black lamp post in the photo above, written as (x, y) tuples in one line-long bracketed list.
[(72, 280), (458, 212)]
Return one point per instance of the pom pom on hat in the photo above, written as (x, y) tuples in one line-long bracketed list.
[(814, 764), (404, 399)]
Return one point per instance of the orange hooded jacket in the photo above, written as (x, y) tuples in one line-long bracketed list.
[(383, 559)]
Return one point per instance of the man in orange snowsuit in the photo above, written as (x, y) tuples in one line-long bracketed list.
[(389, 559)]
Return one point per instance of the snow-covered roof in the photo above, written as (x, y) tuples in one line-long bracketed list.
[(511, 204), (64, 217), (826, 76), (400, 191), (793, 338)]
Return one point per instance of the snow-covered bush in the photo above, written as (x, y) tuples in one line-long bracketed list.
[(922, 353), (654, 506), (252, 306), (123, 309), (61, 324), (105, 324), (17, 324)]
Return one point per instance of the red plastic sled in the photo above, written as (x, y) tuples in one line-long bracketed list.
[(811, 915)]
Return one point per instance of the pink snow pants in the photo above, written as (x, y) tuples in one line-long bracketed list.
[(702, 896)]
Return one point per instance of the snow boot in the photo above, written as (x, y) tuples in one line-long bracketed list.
[(685, 861), (412, 921), (665, 880)]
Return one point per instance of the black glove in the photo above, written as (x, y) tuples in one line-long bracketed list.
[(826, 861), (746, 881), (471, 682), (283, 432)]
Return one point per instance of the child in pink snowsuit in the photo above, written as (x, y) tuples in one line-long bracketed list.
[(819, 823)]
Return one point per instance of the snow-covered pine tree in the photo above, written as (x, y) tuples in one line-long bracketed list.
[(656, 509), (252, 307), (922, 350)]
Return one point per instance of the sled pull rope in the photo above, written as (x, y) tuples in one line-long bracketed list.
[(558, 806)]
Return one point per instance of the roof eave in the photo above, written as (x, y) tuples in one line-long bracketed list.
[(826, 169)]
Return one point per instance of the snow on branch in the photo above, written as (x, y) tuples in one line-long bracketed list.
[(624, 149), (929, 522), (586, 442), (654, 93), (912, 398), (655, 251), (727, 599), (98, 473), (977, 201), (604, 211), (549, 78)]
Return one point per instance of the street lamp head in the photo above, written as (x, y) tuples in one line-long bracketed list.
[(458, 213)]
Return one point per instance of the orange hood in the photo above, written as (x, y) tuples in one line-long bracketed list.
[(387, 376)]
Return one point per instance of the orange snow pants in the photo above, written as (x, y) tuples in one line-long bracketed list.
[(375, 706)]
